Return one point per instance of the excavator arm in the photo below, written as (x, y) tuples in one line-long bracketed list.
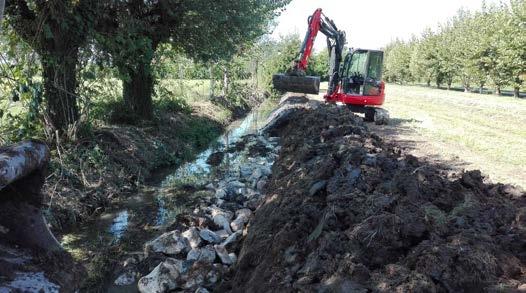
[(296, 80)]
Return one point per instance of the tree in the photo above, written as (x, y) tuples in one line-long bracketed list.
[(465, 47), (397, 62), (319, 65), (203, 30), (514, 48), (279, 57), (424, 63), (56, 30), (492, 60), (448, 67)]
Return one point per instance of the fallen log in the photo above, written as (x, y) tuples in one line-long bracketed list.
[(20, 160), (22, 174), (46, 266)]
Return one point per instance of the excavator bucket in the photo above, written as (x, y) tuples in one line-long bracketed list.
[(296, 84)]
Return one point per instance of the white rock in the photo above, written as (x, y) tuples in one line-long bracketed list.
[(273, 139), (256, 174), (209, 236), (208, 254), (222, 233), (163, 278), (223, 254), (125, 279), (193, 254), (251, 192), (233, 257), (222, 222), (213, 276), (217, 211), (201, 290), (266, 170), (235, 186), (245, 171), (170, 243), (220, 193), (232, 239), (192, 235), (246, 212), (129, 261), (239, 223)]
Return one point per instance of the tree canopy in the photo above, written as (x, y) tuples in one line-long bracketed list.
[(125, 34), (472, 48)]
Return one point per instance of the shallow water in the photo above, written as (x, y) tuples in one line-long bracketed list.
[(142, 216)]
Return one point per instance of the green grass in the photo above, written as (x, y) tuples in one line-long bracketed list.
[(486, 131)]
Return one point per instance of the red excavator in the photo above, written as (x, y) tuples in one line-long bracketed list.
[(358, 83)]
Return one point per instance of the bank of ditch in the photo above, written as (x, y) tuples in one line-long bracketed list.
[(95, 180), (99, 171)]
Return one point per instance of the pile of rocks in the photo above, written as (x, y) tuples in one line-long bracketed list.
[(203, 246)]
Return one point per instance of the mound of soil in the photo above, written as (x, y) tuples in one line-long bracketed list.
[(346, 213)]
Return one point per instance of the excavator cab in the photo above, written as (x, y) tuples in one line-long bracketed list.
[(361, 73)]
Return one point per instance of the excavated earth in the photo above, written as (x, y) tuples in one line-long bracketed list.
[(345, 212)]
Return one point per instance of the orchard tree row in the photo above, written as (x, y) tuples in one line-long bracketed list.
[(474, 49)]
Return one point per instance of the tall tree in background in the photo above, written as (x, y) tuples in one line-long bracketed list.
[(56, 29), (514, 49), (203, 30), (464, 49), (472, 48), (448, 67), (397, 69)]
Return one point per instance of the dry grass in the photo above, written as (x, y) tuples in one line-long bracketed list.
[(459, 130), (476, 131)]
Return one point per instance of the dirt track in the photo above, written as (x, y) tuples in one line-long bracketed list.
[(345, 212)]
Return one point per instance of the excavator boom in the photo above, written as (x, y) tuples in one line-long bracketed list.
[(295, 80), (357, 83)]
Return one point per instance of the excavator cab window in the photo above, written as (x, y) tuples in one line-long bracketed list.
[(374, 73), (362, 72)]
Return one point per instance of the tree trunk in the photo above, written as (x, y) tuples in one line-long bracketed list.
[(138, 91), (212, 80), (60, 83), (448, 85), (516, 92), (255, 75), (428, 83), (226, 82), (481, 88), (498, 92)]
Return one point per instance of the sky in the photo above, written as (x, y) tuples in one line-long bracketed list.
[(371, 24)]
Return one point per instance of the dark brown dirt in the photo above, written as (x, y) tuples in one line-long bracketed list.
[(347, 213)]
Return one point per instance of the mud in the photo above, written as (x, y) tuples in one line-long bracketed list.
[(345, 212)]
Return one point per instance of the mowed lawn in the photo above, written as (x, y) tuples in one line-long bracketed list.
[(473, 131)]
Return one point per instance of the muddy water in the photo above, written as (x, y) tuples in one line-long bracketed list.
[(145, 214)]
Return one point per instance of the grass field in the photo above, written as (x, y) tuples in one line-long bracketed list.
[(464, 130)]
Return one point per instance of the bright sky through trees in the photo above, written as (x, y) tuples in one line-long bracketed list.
[(373, 23)]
